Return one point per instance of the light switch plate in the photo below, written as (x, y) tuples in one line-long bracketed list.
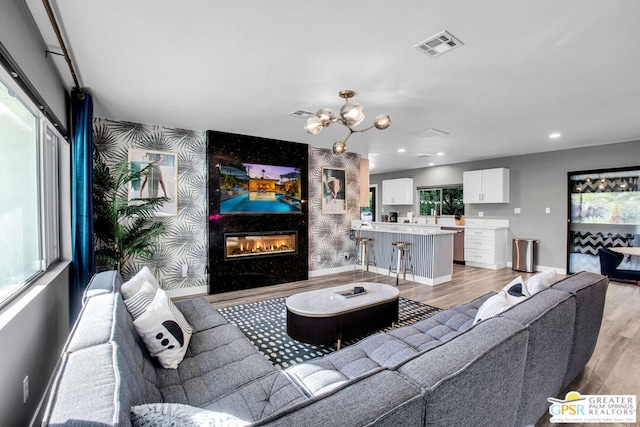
[(547, 210)]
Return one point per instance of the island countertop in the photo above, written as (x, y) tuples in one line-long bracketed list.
[(430, 227)]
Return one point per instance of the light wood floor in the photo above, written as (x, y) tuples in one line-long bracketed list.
[(614, 367)]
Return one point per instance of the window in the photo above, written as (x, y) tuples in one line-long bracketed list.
[(604, 213), (29, 232), (441, 201)]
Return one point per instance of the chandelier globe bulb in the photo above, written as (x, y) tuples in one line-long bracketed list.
[(313, 125), (339, 148)]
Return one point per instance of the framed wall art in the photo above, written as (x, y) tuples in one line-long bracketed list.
[(161, 182), (334, 194)]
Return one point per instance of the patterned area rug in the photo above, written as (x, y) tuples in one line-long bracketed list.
[(265, 324)]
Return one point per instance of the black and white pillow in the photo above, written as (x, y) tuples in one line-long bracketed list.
[(133, 285), (164, 330)]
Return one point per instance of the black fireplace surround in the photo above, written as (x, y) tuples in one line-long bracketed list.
[(244, 272)]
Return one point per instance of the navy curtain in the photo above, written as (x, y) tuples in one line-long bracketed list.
[(82, 201)]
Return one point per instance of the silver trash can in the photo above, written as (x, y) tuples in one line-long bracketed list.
[(524, 255)]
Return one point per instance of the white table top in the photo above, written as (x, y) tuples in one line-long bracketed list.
[(326, 302), (627, 250)]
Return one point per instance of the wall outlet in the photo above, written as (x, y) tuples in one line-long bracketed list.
[(547, 210), (25, 389), (184, 270), (480, 213), (516, 210)]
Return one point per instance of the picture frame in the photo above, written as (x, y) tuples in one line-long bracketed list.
[(163, 181), (334, 191)]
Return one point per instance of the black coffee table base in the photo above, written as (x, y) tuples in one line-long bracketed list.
[(335, 328)]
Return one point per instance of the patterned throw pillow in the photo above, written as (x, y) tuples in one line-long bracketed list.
[(493, 306), (133, 285), (164, 330), (176, 414), (139, 302)]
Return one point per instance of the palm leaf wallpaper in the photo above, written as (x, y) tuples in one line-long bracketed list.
[(186, 233), (185, 241), (329, 241)]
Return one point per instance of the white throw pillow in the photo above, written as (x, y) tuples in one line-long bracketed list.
[(139, 303), (541, 281), (164, 330), (133, 285), (177, 414), (493, 306), (516, 291)]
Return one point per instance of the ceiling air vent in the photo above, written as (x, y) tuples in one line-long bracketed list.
[(437, 45), (428, 133), (301, 114)]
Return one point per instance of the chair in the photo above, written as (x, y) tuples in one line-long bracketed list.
[(609, 262), (365, 255), (404, 261)]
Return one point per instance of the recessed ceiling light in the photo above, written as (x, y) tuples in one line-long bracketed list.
[(401, 150), (431, 164), (440, 153), (555, 135)]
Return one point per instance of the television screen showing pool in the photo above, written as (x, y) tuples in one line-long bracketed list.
[(251, 188)]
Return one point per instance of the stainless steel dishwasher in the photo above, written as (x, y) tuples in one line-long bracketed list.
[(458, 244)]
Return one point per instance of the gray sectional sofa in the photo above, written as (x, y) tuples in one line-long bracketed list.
[(442, 371)]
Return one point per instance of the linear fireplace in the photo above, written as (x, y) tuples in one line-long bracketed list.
[(243, 245)]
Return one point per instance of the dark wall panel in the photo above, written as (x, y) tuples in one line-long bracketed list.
[(235, 274)]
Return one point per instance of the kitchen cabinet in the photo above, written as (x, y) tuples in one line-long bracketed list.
[(486, 186), (397, 191), (485, 248)]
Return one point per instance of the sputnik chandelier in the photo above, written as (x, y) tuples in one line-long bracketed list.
[(351, 115)]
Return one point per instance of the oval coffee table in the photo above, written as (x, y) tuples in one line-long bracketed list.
[(325, 317)]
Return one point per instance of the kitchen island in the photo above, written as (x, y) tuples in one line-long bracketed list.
[(431, 249)]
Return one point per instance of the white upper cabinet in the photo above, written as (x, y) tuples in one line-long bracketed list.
[(486, 186), (397, 191)]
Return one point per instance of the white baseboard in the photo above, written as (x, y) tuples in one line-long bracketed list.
[(186, 292), (540, 268), (325, 271)]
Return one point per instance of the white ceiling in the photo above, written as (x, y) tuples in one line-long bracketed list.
[(528, 68)]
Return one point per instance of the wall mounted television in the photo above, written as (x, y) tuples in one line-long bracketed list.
[(252, 188)]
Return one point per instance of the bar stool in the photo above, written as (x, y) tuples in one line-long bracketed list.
[(365, 255), (404, 255)]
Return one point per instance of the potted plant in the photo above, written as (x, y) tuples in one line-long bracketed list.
[(123, 228)]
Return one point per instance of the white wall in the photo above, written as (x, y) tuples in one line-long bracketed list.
[(537, 181)]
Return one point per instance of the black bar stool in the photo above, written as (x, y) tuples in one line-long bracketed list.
[(365, 255), (405, 262)]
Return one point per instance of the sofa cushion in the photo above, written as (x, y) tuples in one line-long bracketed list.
[(218, 360), (97, 386), (382, 398), (434, 330), (200, 314), (106, 282), (164, 330), (479, 369), (100, 311), (371, 354), (548, 317), (260, 398), (590, 290), (177, 414)]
